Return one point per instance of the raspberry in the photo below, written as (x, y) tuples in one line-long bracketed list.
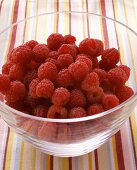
[(110, 56), (17, 72), (107, 86), (60, 96), (95, 109), (86, 60), (123, 93), (16, 92), (104, 66), (53, 54), (91, 47), (21, 54), (45, 88), (90, 82), (126, 69), (4, 83), (78, 70), (40, 111), (95, 96), (31, 43), (95, 63), (51, 60), (64, 60), (48, 70), (29, 101), (29, 77), (40, 52), (67, 49), (77, 99), (109, 101), (102, 74), (57, 112), (55, 40), (32, 87), (64, 78), (6, 67), (117, 76), (69, 39), (33, 65), (16, 105), (77, 112)]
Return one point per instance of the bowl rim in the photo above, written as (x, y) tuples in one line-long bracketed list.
[(70, 120)]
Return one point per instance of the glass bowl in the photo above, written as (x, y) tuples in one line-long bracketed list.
[(71, 137)]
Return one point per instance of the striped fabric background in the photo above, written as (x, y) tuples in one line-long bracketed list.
[(120, 152)]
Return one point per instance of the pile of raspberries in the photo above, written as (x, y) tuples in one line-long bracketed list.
[(62, 80)]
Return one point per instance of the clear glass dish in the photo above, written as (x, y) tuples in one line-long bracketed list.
[(71, 137)]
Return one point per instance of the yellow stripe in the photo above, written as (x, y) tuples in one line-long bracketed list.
[(27, 22), (47, 162), (114, 153), (65, 163), (66, 18), (55, 16), (21, 156), (33, 159), (134, 130), (90, 160), (9, 150), (9, 39)]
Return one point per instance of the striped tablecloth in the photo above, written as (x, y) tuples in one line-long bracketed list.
[(120, 152)]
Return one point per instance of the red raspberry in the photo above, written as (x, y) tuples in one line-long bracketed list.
[(126, 69), (53, 54), (40, 52), (95, 109), (6, 67), (60, 96), (4, 83), (78, 70), (95, 96), (31, 43), (104, 66), (95, 63), (69, 39), (77, 112), (17, 72), (64, 78), (40, 111), (117, 76), (64, 60), (45, 88), (32, 87), (51, 60), (55, 40), (90, 82), (110, 56), (48, 70), (107, 86), (21, 54), (33, 65), (57, 112), (16, 105), (102, 74), (77, 99), (86, 60), (16, 92), (91, 47), (109, 101), (67, 49), (29, 77), (29, 101), (123, 93)]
